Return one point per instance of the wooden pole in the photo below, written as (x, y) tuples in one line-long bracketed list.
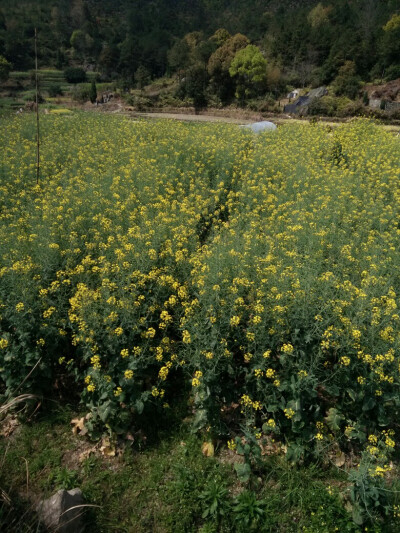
[(37, 114)]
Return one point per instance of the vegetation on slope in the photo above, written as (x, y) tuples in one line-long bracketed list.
[(303, 43)]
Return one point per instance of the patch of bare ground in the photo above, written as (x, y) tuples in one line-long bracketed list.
[(192, 117), (228, 115), (388, 91), (9, 426)]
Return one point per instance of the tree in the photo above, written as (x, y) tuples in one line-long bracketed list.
[(319, 15), (220, 36), (274, 79), (347, 83), (5, 68), (142, 77), (93, 92), (393, 23), (19, 49), (54, 90), (129, 60), (178, 55), (60, 59), (82, 43), (222, 58), (196, 85), (78, 40), (108, 59), (193, 39), (204, 50), (390, 45), (75, 75), (154, 47), (248, 67), (219, 63), (78, 12)]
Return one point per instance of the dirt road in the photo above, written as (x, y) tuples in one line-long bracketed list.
[(194, 118), (278, 120)]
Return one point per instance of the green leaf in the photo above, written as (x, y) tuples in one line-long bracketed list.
[(200, 419), (104, 412), (352, 394), (357, 514), (239, 448), (294, 452), (139, 405), (369, 404), (333, 419), (243, 472)]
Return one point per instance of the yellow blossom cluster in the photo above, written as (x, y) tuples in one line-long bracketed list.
[(159, 249)]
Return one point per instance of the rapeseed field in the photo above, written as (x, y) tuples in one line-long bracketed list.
[(258, 273)]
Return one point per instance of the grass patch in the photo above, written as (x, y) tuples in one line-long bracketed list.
[(165, 484)]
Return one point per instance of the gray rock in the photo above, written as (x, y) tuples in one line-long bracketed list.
[(60, 512)]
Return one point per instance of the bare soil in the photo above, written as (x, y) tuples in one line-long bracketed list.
[(388, 91)]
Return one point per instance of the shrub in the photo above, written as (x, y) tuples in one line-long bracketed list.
[(394, 114), (348, 108), (5, 69), (93, 92), (75, 75), (81, 93), (140, 102), (325, 106), (263, 106), (392, 72), (30, 96), (54, 90), (347, 83)]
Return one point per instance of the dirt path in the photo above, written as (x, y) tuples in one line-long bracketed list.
[(279, 120), (194, 118), (248, 118)]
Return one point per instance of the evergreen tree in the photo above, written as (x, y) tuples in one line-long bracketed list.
[(196, 85), (308, 41), (93, 92), (5, 68), (347, 82)]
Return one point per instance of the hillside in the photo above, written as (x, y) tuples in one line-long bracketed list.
[(308, 41)]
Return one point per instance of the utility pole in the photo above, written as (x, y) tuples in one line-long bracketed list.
[(37, 114)]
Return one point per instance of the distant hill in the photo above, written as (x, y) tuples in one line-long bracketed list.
[(306, 40)]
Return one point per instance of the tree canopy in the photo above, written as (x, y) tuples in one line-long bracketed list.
[(306, 41), (249, 68)]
